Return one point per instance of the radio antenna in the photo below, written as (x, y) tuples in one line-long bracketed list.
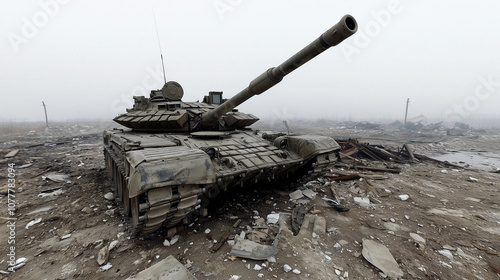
[(159, 45)]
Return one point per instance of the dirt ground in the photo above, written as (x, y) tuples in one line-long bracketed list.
[(455, 212)]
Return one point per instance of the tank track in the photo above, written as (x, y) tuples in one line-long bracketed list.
[(154, 209), (167, 206)]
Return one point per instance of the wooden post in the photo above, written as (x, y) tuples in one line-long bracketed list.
[(406, 113), (46, 119)]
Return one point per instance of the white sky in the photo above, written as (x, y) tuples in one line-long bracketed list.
[(86, 59)]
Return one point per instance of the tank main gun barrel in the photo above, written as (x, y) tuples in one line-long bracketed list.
[(333, 36)]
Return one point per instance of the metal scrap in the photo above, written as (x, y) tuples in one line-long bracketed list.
[(220, 241)]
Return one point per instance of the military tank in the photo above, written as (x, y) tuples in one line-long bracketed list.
[(175, 156)]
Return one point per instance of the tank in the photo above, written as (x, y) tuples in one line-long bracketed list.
[(175, 156)]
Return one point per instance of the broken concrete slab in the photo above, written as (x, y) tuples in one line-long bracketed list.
[(296, 194), (378, 255), (309, 193), (245, 248), (168, 268)]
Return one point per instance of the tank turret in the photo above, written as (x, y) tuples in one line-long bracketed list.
[(164, 110)]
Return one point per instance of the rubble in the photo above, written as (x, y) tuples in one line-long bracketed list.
[(109, 196), (248, 249), (378, 255), (458, 216)]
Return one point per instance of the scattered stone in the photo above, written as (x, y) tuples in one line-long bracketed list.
[(257, 267), (174, 240), (296, 195), (337, 272), (103, 255), (309, 193), (59, 178), (106, 267), (86, 210), (296, 271), (417, 238), (110, 212), (332, 229), (448, 247), (361, 201), (379, 256), (472, 179), (445, 264), (113, 245), (446, 253), (66, 236), (273, 218), (403, 197), (271, 259), (207, 231), (109, 196), (260, 275), (287, 268)]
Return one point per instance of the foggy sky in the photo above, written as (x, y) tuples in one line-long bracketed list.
[(86, 59)]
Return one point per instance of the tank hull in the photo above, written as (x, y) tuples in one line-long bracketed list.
[(160, 178)]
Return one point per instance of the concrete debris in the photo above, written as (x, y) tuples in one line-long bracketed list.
[(113, 244), (245, 248), (446, 253), (257, 267), (361, 201), (309, 193), (472, 179), (34, 222), (66, 236), (403, 197), (51, 192), (59, 178), (174, 240), (379, 256), (106, 267), (109, 196), (273, 218), (296, 195), (168, 268), (103, 255), (417, 238)]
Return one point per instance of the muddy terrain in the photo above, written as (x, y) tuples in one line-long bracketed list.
[(437, 220)]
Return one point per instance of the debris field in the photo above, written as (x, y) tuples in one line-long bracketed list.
[(389, 209)]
